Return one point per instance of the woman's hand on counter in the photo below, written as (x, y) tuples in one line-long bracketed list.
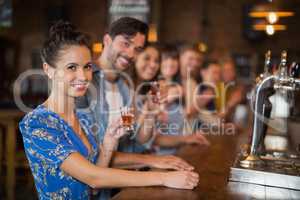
[(169, 162), (181, 179)]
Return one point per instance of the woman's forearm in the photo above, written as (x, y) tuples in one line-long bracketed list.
[(107, 149), (130, 160), (109, 177), (100, 177), (81, 169), (105, 156)]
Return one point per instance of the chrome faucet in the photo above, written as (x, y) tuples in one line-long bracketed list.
[(284, 80)]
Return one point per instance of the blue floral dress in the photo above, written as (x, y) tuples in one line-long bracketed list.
[(48, 141)]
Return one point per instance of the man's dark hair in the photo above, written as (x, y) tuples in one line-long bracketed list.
[(127, 26)]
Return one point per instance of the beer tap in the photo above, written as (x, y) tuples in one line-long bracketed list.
[(272, 159), (282, 81)]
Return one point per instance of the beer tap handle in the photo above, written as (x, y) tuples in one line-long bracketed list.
[(268, 66), (283, 68)]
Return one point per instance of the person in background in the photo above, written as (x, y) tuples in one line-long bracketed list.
[(190, 62), (212, 98), (123, 42), (169, 69), (235, 93), (169, 75), (146, 71), (65, 159), (210, 86)]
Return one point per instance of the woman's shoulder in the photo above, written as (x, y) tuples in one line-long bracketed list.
[(40, 117)]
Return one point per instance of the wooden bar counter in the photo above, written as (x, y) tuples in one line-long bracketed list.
[(213, 165)]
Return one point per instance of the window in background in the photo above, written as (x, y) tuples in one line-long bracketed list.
[(139, 9), (5, 13), (245, 66)]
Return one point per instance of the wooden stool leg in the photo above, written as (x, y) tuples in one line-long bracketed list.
[(10, 153)]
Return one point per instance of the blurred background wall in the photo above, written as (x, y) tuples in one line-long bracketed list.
[(221, 25)]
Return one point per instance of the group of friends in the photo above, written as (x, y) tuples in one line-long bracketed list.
[(76, 142)]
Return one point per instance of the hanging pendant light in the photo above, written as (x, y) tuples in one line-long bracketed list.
[(272, 13)]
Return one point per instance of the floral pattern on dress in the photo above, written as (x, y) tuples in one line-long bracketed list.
[(48, 141)]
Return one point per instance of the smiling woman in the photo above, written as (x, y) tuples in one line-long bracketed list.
[(148, 63), (67, 62), (64, 156)]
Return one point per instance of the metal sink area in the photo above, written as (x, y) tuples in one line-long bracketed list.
[(276, 172)]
